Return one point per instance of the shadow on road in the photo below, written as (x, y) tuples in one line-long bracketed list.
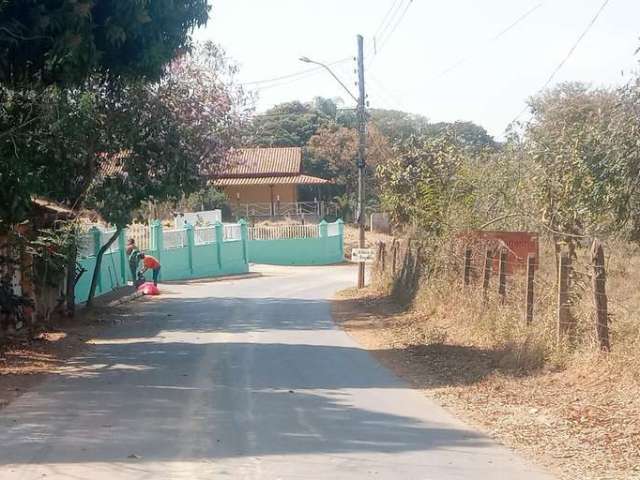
[(176, 383)]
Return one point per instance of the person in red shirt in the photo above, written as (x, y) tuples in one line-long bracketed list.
[(149, 262)]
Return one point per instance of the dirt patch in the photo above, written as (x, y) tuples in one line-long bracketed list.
[(25, 363), (579, 424)]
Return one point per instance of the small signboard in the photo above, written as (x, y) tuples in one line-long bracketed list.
[(362, 255)]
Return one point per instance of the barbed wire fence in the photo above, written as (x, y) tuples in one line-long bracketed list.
[(568, 298)]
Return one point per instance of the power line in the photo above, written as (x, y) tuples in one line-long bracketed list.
[(567, 56), (387, 20), (295, 74), (500, 34), (385, 40)]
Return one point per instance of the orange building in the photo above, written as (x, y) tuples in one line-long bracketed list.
[(263, 182)]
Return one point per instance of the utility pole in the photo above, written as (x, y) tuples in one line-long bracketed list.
[(362, 143)]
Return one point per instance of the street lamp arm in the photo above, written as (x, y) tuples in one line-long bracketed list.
[(308, 60)]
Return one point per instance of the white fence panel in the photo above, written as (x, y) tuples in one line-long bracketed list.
[(232, 232), (85, 245), (141, 234), (204, 235), (283, 232), (333, 230), (105, 235), (176, 238)]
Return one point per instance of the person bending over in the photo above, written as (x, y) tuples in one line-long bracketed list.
[(150, 263)]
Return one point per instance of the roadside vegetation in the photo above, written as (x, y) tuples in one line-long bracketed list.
[(551, 385)]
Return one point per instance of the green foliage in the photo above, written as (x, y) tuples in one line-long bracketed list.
[(425, 181), (45, 42), (51, 251)]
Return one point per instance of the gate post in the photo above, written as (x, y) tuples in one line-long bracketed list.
[(219, 241), (244, 236), (190, 244), (123, 255)]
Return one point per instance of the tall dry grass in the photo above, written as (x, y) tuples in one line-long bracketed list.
[(446, 311)]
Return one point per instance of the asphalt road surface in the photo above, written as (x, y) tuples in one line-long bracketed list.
[(242, 379)]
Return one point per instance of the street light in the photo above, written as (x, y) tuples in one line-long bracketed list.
[(326, 67), (362, 121)]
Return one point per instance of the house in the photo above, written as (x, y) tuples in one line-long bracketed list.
[(264, 182)]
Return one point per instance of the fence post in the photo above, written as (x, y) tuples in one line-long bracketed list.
[(600, 295), (219, 241), (383, 256), (190, 243), (341, 234), (564, 314), (123, 255), (394, 258), (322, 228), (97, 243), (502, 274), (486, 273), (157, 240), (467, 266), (531, 271), (244, 236)]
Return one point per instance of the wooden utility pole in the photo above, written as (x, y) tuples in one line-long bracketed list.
[(600, 295), (531, 271), (362, 141)]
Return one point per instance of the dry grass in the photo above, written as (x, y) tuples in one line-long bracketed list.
[(568, 405)]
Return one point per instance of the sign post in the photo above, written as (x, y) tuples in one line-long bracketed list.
[(362, 256)]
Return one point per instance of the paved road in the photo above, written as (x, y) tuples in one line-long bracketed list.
[(245, 379)]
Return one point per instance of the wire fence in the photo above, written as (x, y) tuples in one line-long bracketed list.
[(568, 290)]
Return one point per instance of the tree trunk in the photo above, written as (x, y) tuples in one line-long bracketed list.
[(96, 270)]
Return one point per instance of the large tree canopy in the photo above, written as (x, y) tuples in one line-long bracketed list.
[(63, 41)]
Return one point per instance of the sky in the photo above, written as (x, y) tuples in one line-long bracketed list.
[(445, 59)]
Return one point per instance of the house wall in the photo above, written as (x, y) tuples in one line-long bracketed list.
[(261, 193)]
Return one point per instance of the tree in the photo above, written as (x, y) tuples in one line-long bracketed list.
[(290, 124), (424, 183), (332, 153), (166, 139), (62, 42), (574, 180)]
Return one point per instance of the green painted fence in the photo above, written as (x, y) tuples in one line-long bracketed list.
[(184, 259), (214, 251), (325, 248)]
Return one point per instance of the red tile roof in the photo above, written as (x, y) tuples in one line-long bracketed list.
[(277, 180), (260, 162)]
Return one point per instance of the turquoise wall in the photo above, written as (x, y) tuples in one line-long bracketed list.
[(192, 261), (323, 250), (213, 259)]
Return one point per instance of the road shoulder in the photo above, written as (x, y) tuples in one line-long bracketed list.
[(519, 412)]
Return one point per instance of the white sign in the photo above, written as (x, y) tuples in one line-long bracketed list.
[(362, 255)]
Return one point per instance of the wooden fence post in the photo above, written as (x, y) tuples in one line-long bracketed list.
[(531, 271), (394, 259), (502, 274), (382, 253), (564, 313), (467, 266), (486, 274), (600, 295)]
